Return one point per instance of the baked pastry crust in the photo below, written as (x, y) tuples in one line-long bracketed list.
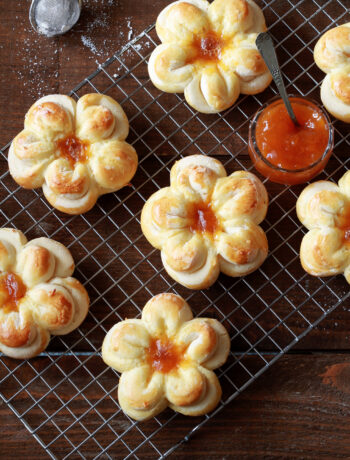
[(94, 130), (53, 301), (324, 208), (208, 52), (332, 55), (206, 222), (188, 384)]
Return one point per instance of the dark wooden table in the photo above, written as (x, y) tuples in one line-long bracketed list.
[(297, 409)]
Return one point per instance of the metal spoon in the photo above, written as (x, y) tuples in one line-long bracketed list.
[(266, 48), (74, 6)]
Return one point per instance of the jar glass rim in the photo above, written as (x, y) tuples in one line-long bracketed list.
[(305, 100)]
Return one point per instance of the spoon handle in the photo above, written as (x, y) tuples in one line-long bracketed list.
[(266, 48)]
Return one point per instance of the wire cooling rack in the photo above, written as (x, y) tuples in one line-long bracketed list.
[(67, 396)]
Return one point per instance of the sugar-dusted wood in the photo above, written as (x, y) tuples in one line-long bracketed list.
[(289, 412)]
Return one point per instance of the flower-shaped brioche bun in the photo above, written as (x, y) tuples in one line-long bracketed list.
[(332, 55), (38, 296), (74, 151), (324, 208), (208, 52), (206, 222), (167, 359)]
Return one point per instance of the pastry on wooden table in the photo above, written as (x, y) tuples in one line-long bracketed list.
[(208, 52), (167, 358), (38, 296), (207, 222), (332, 55), (324, 208), (74, 151)]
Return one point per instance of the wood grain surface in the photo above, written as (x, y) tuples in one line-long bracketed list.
[(297, 409)]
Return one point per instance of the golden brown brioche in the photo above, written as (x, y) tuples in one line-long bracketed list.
[(74, 151), (324, 208), (167, 359), (38, 297), (208, 52), (206, 222), (332, 55)]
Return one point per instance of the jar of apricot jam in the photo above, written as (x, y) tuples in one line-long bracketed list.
[(286, 153)]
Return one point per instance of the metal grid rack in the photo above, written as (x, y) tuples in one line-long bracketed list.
[(67, 396)]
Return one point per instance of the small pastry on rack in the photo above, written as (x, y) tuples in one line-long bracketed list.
[(206, 222), (167, 358), (324, 208), (332, 55), (38, 296), (208, 52), (74, 151)]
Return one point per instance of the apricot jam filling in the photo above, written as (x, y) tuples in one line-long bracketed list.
[(163, 355), (203, 219), (207, 48), (12, 289), (73, 149), (343, 223)]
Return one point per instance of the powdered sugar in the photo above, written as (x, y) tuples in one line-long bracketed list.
[(90, 44), (105, 48), (102, 24), (36, 62), (41, 57), (131, 32)]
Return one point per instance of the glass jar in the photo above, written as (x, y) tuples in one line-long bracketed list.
[(287, 154)]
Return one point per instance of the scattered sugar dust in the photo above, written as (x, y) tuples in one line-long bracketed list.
[(37, 62), (102, 50), (130, 30), (101, 24), (89, 44), (40, 55)]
